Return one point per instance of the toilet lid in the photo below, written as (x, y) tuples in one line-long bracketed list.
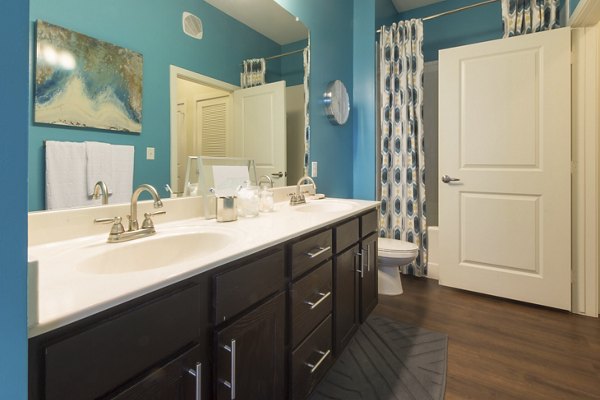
[(393, 247)]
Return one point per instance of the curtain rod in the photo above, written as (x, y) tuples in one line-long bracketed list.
[(442, 14), (283, 54)]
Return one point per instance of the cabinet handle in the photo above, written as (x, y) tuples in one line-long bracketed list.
[(197, 373), (231, 385), (315, 305), (320, 250), (361, 269), (314, 367), (368, 258)]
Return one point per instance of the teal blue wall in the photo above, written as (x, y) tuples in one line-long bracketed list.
[(331, 36), (573, 5), (14, 73), (472, 26), (153, 28), (363, 104)]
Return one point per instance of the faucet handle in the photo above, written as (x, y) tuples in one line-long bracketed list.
[(117, 227), (148, 223)]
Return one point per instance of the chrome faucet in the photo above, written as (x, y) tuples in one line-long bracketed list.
[(133, 223), (119, 234), (101, 189), (298, 198)]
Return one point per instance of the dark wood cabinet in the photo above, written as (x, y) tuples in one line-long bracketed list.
[(368, 276), (250, 360), (266, 327), (345, 297), (179, 379)]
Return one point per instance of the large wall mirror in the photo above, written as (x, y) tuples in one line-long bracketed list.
[(192, 94)]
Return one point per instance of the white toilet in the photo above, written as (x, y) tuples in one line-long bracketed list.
[(391, 255)]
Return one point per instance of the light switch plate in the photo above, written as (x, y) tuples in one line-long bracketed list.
[(149, 153), (313, 169)]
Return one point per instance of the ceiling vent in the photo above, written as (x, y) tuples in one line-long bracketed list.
[(192, 25)]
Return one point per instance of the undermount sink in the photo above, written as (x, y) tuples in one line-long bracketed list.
[(154, 252), (325, 206)]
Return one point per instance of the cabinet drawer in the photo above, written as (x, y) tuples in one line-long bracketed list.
[(311, 301), (238, 289), (346, 235), (311, 360), (94, 362), (369, 223), (174, 380), (310, 252)]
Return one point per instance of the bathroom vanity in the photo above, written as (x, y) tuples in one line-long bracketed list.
[(264, 319)]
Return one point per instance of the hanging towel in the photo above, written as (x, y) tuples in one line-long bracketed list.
[(66, 175), (99, 165), (122, 173)]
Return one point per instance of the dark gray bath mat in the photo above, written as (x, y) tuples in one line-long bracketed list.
[(388, 360)]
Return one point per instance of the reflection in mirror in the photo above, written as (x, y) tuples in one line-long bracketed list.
[(225, 44), (266, 122)]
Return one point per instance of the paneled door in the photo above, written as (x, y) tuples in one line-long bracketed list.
[(260, 129), (505, 168)]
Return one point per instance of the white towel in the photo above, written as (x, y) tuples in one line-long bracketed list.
[(99, 165), (66, 175), (122, 173)]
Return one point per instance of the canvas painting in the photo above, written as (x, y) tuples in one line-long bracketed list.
[(84, 82)]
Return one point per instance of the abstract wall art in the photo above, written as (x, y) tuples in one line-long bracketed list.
[(84, 82)]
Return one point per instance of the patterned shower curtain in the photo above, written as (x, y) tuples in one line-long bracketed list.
[(254, 73), (401, 65), (521, 17)]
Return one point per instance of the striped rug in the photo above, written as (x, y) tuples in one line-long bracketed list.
[(388, 360)]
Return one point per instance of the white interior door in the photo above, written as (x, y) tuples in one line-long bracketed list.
[(260, 129), (505, 132)]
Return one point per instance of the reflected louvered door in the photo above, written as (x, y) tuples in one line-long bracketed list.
[(213, 127)]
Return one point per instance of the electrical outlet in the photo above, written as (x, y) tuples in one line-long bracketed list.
[(313, 169), (149, 153)]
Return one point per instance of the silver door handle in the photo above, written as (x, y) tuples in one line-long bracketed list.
[(361, 271), (197, 373), (448, 179), (278, 174), (231, 384), (322, 299), (314, 367), (320, 250)]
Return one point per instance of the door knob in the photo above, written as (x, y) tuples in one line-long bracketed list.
[(448, 179), (278, 175)]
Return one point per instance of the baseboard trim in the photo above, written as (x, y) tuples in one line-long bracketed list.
[(433, 271)]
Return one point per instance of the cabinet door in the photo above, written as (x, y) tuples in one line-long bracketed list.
[(250, 354), (180, 379), (346, 297), (368, 276)]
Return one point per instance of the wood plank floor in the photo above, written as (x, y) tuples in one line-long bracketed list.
[(501, 349)]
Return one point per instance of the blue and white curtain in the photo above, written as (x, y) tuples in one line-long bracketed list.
[(254, 73), (306, 59), (401, 65), (521, 17)]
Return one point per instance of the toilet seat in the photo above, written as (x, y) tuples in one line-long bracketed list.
[(392, 248)]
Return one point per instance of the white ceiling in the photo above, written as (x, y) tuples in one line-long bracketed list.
[(405, 5), (266, 17)]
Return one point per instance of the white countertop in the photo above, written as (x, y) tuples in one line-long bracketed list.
[(61, 293)]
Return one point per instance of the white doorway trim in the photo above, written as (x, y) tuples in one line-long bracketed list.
[(585, 130), (181, 73)]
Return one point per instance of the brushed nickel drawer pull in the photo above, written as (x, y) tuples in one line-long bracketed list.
[(314, 367), (320, 250), (197, 373), (361, 271), (230, 385), (315, 305)]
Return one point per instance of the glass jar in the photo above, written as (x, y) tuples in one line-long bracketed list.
[(248, 200)]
